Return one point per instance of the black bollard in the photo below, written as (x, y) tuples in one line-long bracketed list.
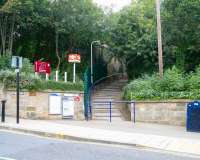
[(3, 110)]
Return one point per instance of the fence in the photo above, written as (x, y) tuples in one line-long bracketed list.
[(110, 103)]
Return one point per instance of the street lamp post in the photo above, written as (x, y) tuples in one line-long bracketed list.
[(93, 42)]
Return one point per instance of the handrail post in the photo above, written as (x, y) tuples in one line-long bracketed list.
[(90, 112), (133, 111), (90, 99), (3, 111), (110, 111)]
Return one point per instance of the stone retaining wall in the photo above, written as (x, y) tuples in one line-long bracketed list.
[(166, 112), (35, 105)]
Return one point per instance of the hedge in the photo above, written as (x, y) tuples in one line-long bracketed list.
[(33, 83)]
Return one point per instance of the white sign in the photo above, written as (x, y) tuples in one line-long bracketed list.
[(16, 62), (68, 106), (74, 58), (55, 100)]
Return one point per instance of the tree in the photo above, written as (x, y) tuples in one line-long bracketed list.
[(134, 38), (7, 27), (49, 29), (181, 23)]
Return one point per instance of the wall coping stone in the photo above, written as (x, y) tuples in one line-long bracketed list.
[(166, 101), (48, 91)]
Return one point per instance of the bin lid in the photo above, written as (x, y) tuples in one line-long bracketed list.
[(194, 104)]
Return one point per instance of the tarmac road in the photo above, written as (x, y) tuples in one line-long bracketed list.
[(27, 147)]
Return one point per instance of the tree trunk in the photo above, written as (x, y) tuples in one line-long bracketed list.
[(11, 34), (57, 50), (3, 30)]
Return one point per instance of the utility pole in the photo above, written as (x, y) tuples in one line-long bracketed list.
[(159, 34)]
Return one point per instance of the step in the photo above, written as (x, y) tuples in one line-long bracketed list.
[(101, 105), (113, 119), (101, 101), (107, 94), (112, 90), (106, 115), (105, 110), (103, 98), (104, 107)]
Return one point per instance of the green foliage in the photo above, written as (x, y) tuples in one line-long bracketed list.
[(193, 80), (33, 83), (28, 67), (134, 37), (62, 86), (131, 34), (174, 85), (5, 64), (181, 23), (77, 23)]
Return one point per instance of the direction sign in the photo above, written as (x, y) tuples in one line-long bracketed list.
[(74, 58), (16, 62)]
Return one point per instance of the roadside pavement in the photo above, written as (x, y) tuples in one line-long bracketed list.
[(162, 137)]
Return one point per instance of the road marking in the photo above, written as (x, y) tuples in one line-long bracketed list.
[(5, 158)]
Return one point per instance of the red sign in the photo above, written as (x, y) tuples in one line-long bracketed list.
[(74, 58), (42, 67), (77, 99)]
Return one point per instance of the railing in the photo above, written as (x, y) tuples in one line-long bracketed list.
[(99, 72), (110, 103), (92, 87)]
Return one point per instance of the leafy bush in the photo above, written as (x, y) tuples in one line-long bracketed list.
[(27, 66), (193, 80), (174, 85), (5, 64), (33, 83)]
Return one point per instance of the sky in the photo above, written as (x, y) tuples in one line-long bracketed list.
[(115, 4)]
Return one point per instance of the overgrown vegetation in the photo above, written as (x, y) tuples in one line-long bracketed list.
[(32, 83), (174, 85), (134, 36), (29, 81), (48, 30)]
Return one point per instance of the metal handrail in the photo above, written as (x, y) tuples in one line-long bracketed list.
[(106, 102), (103, 78), (109, 103)]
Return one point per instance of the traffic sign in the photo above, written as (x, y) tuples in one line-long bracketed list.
[(16, 62)]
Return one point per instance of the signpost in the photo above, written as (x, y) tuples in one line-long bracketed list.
[(17, 64), (43, 67), (74, 58)]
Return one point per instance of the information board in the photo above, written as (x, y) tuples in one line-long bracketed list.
[(55, 101), (68, 106)]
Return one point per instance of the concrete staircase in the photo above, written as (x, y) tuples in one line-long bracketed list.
[(103, 95)]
